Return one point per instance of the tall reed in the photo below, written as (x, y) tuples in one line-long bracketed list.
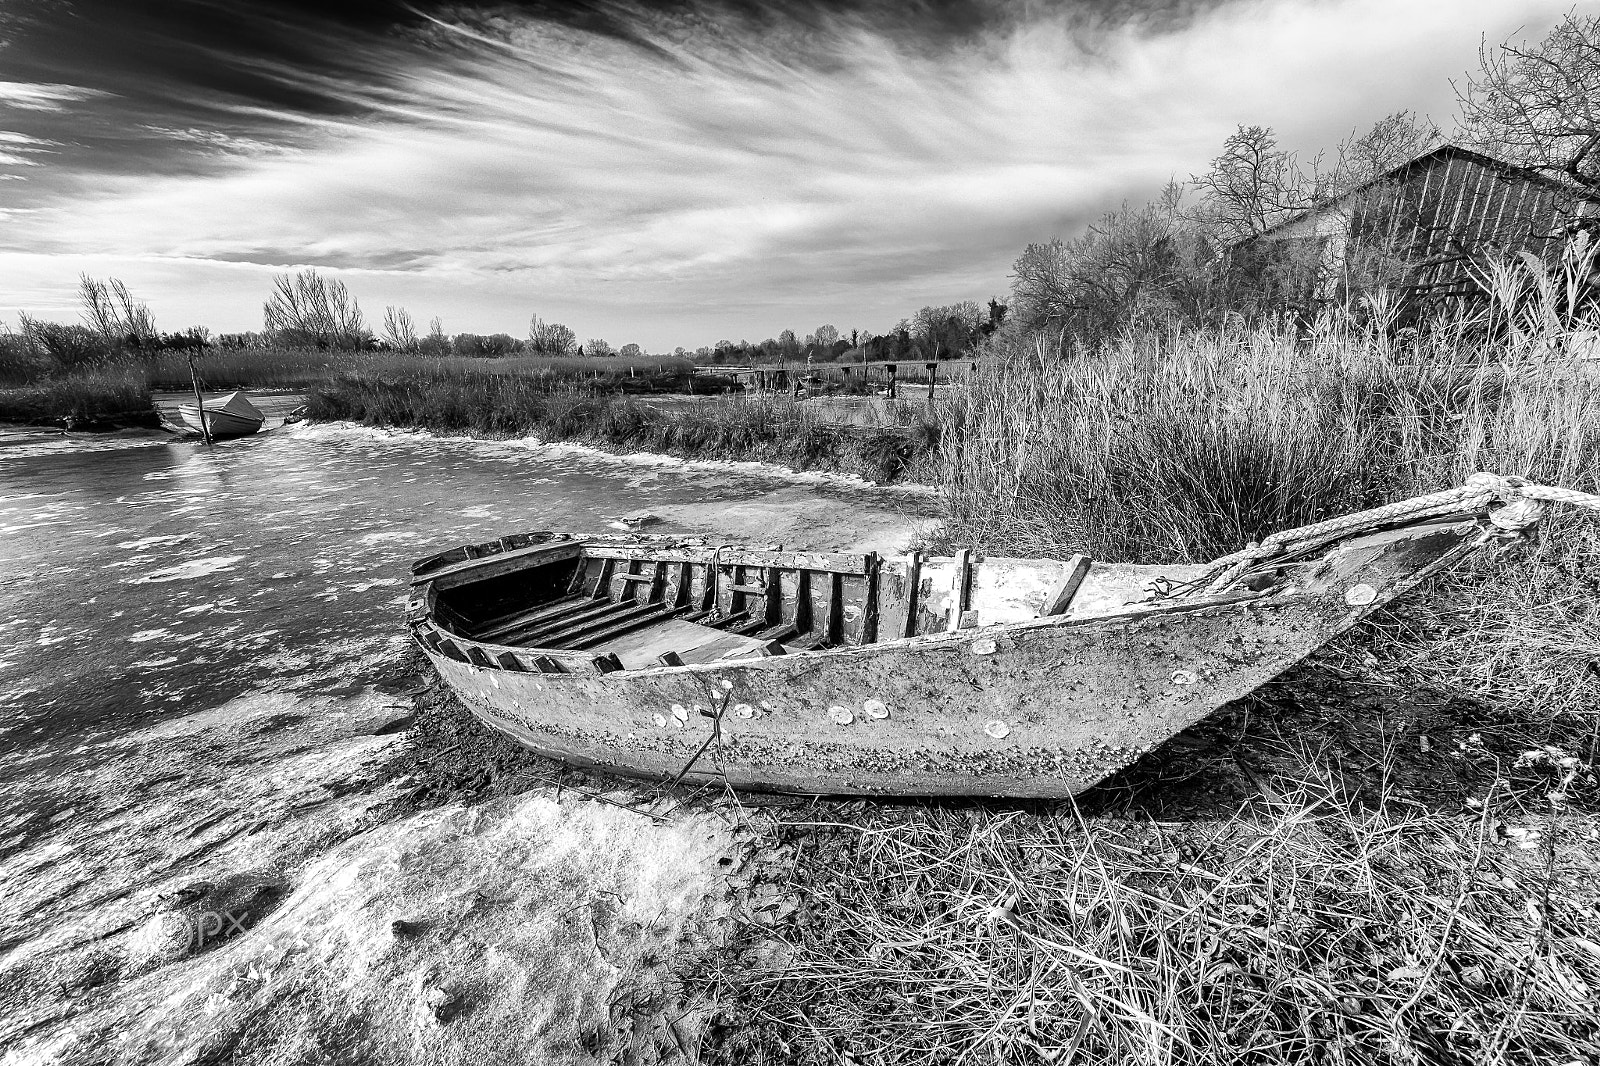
[(1182, 446)]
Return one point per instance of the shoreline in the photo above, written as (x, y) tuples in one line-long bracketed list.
[(765, 429), (819, 476), (826, 475)]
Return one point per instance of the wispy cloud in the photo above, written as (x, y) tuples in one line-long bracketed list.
[(696, 178), (34, 96), (220, 141)]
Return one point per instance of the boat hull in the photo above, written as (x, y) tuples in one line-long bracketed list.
[(1044, 708), (223, 424)]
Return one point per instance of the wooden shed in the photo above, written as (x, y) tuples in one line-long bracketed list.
[(1424, 227)]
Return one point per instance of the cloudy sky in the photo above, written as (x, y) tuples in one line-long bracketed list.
[(667, 174)]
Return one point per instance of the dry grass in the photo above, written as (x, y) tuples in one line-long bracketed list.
[(1333, 870), (1303, 929), (1518, 632)]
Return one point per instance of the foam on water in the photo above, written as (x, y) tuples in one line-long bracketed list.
[(190, 569)]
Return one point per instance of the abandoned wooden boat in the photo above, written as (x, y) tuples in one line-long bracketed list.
[(232, 415), (830, 672)]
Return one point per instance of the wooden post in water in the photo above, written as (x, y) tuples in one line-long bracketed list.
[(933, 375), (199, 403)]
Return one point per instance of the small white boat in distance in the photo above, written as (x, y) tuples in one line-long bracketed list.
[(231, 416)]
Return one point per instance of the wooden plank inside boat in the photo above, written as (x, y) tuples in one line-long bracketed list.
[(897, 585), (688, 641)]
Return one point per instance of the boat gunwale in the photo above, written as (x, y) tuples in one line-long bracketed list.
[(1128, 612), (921, 640)]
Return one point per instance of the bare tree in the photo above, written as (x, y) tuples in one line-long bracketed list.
[(1252, 186), (948, 330), (494, 345), (1538, 105), (551, 338), (308, 310), (1393, 141), (399, 331), (1133, 264), (110, 310), (99, 314), (597, 346), (435, 343)]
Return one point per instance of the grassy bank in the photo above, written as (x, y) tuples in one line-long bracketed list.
[(1330, 914), (117, 395), (772, 430)]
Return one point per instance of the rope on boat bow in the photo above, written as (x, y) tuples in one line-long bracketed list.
[(1523, 504)]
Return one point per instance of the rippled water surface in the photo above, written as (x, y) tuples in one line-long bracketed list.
[(142, 578)]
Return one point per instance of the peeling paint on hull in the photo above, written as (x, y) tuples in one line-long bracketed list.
[(1044, 708)]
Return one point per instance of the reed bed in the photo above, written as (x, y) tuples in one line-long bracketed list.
[(299, 368), (85, 396), (761, 428), (246, 368), (1185, 445)]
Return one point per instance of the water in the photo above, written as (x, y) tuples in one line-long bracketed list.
[(141, 578), (189, 727)]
